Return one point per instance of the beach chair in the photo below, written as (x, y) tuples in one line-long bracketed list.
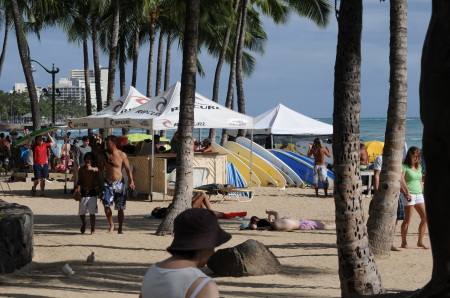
[(235, 193)]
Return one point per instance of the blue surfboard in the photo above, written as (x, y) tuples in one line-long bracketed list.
[(303, 168), (310, 161)]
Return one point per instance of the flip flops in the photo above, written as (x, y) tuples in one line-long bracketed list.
[(33, 191)]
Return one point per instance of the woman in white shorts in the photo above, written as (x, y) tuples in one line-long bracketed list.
[(412, 195)]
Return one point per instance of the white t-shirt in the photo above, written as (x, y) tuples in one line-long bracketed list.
[(378, 162), (169, 283)]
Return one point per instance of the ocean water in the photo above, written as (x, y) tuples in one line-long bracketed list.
[(375, 128), (371, 129)]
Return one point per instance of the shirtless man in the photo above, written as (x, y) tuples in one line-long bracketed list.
[(5, 152), (320, 169), (363, 156), (288, 223), (114, 191)]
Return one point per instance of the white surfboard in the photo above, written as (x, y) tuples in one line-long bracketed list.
[(289, 174), (257, 160), (243, 169)]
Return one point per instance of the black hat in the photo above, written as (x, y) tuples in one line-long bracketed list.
[(196, 229)]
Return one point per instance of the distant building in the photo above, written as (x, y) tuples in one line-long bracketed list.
[(73, 87), (22, 87)]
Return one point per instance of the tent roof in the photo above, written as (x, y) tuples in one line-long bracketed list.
[(162, 113), (130, 100), (282, 120)]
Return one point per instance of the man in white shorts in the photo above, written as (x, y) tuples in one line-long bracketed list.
[(320, 169), (88, 185)]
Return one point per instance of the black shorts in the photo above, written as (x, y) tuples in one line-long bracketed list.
[(40, 171)]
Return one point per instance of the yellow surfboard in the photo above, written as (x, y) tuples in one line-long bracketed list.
[(243, 169), (258, 162)]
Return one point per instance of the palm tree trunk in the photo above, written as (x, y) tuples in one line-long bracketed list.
[(122, 62), (184, 179), (159, 64), (163, 133), (87, 81), (122, 73), (383, 208), (113, 53), (5, 42), (135, 57), (168, 60), (98, 87), (230, 93), (150, 58), (26, 65), (434, 111), (239, 71), (215, 96), (358, 271)]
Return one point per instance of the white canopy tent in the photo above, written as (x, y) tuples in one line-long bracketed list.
[(130, 100), (162, 113), (281, 120)]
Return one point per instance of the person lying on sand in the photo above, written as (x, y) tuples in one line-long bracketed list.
[(288, 223), (200, 200)]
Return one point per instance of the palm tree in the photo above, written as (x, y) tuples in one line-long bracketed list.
[(7, 19), (358, 271), (383, 208), (159, 64), (25, 60), (113, 51), (184, 178), (434, 111)]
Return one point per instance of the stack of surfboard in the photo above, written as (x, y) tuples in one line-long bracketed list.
[(302, 165), (270, 168)]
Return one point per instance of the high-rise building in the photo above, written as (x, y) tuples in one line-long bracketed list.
[(78, 74), (22, 87)]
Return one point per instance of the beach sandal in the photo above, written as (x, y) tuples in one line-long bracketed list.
[(33, 191)]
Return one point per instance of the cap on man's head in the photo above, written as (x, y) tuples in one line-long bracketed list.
[(196, 229)]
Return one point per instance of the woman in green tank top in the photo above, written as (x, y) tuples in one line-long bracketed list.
[(412, 195)]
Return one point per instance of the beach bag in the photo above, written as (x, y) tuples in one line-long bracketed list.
[(77, 196)]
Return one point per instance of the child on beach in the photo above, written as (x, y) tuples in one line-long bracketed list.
[(88, 185)]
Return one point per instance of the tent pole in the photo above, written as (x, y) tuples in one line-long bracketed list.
[(272, 144), (153, 165), (251, 157)]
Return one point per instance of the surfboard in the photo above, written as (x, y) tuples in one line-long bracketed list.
[(258, 161), (303, 168), (56, 149), (243, 169), (289, 174), (303, 146), (266, 179), (310, 162)]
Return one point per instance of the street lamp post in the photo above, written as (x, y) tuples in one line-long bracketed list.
[(52, 72)]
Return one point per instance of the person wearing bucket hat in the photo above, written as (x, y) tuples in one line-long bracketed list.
[(196, 234)]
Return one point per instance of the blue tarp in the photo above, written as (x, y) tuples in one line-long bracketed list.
[(235, 178)]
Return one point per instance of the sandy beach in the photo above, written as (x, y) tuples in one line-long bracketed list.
[(308, 258)]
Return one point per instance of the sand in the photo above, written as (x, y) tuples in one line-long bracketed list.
[(308, 258)]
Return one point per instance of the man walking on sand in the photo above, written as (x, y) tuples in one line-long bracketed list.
[(114, 191), (320, 169), (40, 161)]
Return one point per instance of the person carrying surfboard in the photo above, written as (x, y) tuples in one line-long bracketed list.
[(320, 169), (40, 161)]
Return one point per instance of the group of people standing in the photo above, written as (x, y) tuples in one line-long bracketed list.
[(91, 165)]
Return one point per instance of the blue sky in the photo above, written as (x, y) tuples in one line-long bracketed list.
[(296, 70)]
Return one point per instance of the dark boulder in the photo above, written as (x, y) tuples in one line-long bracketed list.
[(251, 258), (16, 237)]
